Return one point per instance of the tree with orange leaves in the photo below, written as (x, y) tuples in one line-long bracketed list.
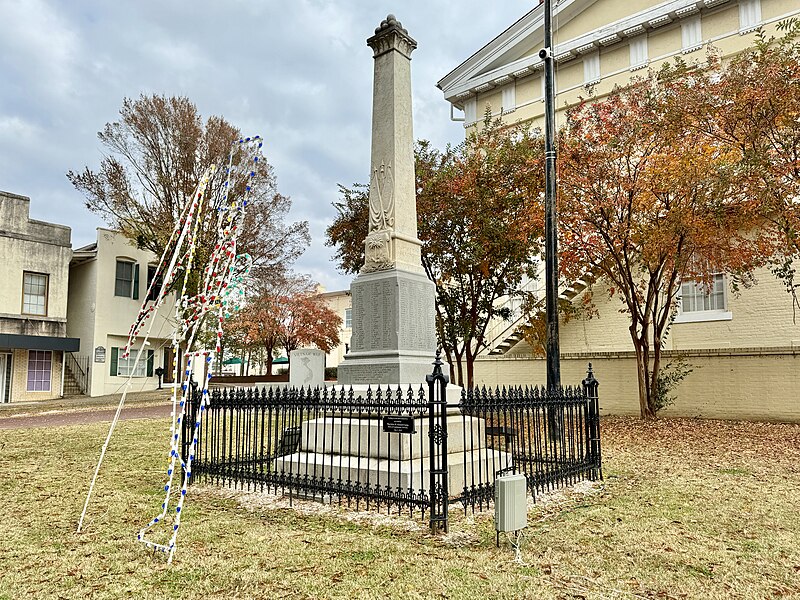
[(306, 320), (647, 202), (750, 106), (480, 222), (254, 329), (285, 314)]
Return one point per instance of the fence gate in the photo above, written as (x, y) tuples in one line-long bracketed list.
[(438, 489)]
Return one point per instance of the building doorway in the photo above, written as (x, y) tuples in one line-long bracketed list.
[(169, 365), (5, 378)]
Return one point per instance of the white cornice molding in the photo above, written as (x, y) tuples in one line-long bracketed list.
[(531, 23), (634, 31), (468, 77), (688, 10), (659, 21), (610, 39)]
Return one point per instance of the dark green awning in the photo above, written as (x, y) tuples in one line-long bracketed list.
[(39, 342)]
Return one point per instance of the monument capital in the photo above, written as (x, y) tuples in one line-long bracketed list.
[(391, 35)]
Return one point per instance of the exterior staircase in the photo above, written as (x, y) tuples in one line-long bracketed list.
[(511, 335), (76, 371)]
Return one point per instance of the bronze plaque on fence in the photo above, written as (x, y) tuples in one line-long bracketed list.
[(398, 424)]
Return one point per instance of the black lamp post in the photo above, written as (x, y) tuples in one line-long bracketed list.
[(550, 210)]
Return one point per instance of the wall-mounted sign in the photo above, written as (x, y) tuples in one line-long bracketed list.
[(100, 354)]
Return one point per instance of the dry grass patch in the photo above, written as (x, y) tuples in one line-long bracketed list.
[(689, 509)]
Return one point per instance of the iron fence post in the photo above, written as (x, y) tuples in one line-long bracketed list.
[(189, 420), (590, 388), (438, 491)]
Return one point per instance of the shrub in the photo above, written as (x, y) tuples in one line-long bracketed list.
[(669, 377)]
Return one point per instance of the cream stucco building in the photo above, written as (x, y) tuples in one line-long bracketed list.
[(341, 303), (108, 282), (745, 347), (33, 303)]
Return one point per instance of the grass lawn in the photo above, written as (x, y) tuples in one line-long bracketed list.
[(688, 509)]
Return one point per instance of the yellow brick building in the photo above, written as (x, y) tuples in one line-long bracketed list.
[(745, 347)]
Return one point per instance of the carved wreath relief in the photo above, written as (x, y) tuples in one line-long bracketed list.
[(381, 198), (377, 251)]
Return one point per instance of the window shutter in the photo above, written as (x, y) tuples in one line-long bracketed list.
[(114, 360), (136, 281), (150, 361)]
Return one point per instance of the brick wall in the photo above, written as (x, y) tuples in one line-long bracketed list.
[(757, 384)]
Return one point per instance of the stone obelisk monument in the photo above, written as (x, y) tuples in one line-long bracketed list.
[(394, 334)]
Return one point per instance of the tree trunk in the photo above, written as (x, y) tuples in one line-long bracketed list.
[(460, 368), (470, 369), (654, 377), (642, 372), (448, 356)]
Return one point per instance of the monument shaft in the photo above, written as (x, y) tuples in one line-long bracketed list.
[(394, 334)]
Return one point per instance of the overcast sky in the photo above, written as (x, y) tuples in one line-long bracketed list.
[(296, 72)]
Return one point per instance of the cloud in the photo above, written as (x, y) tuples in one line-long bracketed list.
[(298, 73)]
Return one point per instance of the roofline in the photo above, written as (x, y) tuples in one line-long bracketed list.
[(468, 83), (13, 195), (335, 293), (485, 46)]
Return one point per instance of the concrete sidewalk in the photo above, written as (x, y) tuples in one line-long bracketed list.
[(86, 403)]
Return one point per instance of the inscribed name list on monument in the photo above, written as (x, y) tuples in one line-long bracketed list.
[(416, 319), (376, 374), (374, 309)]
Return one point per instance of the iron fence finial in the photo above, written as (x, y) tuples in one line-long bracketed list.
[(590, 379)]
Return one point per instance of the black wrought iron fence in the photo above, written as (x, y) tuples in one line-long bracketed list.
[(388, 448)]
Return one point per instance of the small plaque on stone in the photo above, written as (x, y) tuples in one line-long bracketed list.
[(399, 424)]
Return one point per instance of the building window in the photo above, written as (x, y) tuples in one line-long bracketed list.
[(34, 293), (591, 68), (471, 110), (154, 291), (698, 297), (639, 56), (348, 318), (691, 34), (124, 367), (749, 15), (509, 99), (126, 283), (40, 366)]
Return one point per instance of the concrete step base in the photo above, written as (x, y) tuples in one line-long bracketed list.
[(464, 468)]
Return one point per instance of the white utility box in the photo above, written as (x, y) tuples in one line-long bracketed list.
[(510, 503)]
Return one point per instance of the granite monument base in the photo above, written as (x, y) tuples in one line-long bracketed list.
[(394, 329), (359, 451)]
